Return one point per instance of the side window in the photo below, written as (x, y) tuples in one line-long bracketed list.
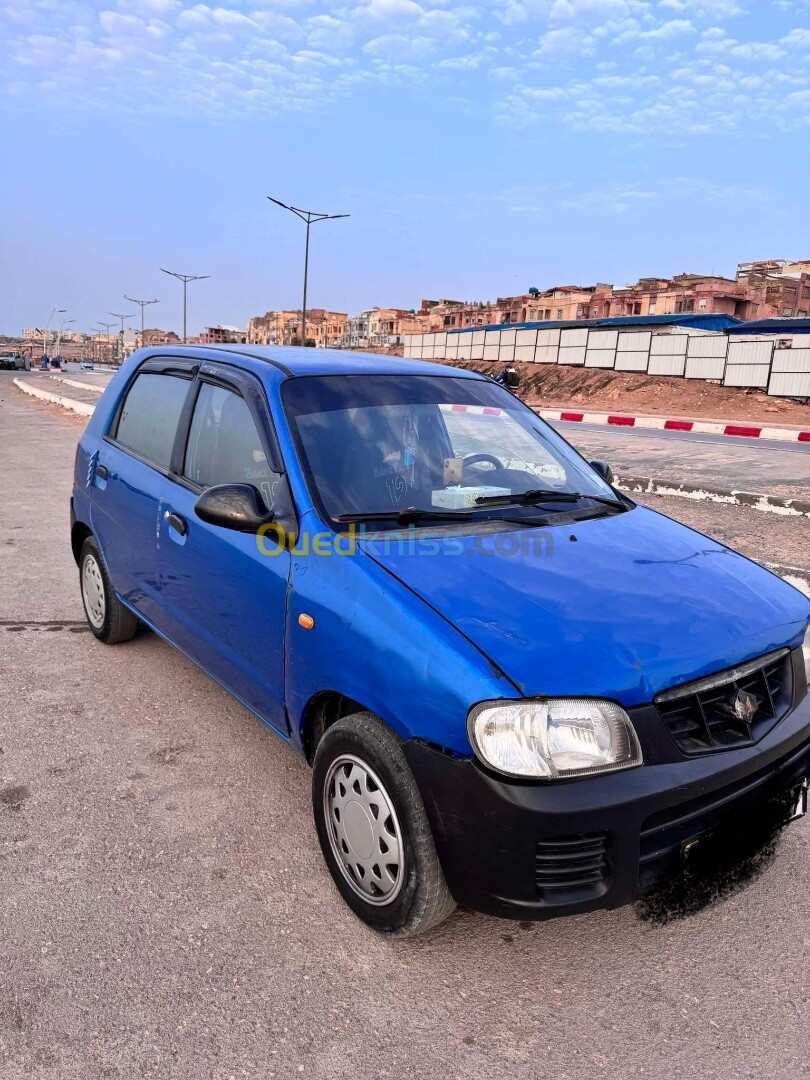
[(148, 420), (224, 446)]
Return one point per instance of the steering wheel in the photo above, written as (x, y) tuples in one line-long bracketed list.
[(475, 459)]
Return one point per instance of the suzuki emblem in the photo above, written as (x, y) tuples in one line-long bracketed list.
[(744, 706)]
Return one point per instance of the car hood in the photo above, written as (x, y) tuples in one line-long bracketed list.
[(621, 606)]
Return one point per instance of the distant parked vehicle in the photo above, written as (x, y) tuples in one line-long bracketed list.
[(86, 364), (12, 361)]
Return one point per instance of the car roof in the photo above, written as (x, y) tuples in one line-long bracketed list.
[(294, 360)]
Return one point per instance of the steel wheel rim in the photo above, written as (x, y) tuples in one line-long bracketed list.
[(93, 592), (364, 831)]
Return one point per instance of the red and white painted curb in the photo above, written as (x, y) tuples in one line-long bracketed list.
[(661, 423)]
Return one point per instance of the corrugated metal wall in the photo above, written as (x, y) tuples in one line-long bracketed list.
[(706, 356), (790, 373), (679, 351), (749, 363)]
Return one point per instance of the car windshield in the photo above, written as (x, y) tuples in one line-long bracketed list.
[(385, 444)]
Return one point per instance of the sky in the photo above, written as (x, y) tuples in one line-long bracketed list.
[(479, 149)]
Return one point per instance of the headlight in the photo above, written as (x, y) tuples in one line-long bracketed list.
[(806, 651), (553, 739)]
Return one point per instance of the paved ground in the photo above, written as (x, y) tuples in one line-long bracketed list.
[(715, 460), (165, 911)]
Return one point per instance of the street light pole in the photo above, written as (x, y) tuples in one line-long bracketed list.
[(141, 304), (121, 339), (185, 278), (308, 217), (65, 322), (61, 311), (107, 326)]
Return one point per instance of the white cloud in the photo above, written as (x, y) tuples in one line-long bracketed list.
[(622, 66)]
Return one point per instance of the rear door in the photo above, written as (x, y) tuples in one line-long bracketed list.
[(129, 480), (224, 600)]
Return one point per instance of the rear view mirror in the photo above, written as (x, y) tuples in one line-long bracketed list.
[(603, 469), (233, 506)]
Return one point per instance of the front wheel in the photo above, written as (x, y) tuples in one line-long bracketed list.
[(373, 829)]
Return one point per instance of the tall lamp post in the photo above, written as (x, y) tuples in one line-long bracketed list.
[(92, 344), (308, 217), (56, 310), (121, 339), (65, 322), (141, 304), (106, 326), (185, 278)]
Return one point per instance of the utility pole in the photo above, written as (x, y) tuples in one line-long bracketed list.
[(185, 278), (60, 311), (308, 217), (141, 304), (107, 326)]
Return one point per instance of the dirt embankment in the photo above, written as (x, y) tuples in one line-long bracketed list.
[(551, 386)]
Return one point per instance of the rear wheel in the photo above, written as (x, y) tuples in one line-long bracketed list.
[(373, 829), (109, 620)]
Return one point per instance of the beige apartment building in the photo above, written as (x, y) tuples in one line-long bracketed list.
[(786, 285), (155, 336), (325, 328), (273, 328)]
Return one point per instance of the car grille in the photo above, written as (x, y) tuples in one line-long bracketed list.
[(572, 867), (701, 718)]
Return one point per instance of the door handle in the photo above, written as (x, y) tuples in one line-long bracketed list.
[(101, 472), (177, 523)]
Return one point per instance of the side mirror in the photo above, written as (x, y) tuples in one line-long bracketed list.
[(233, 506), (603, 469)]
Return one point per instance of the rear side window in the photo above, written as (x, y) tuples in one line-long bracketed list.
[(148, 421), (224, 446)]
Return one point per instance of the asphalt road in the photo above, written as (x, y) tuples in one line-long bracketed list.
[(165, 911), (723, 461)]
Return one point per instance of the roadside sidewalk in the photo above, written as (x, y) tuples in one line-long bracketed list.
[(82, 401)]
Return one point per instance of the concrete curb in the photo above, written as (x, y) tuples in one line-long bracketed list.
[(771, 504), (79, 385), (662, 423), (80, 407)]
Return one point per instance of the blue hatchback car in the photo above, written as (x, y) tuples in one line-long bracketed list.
[(519, 690)]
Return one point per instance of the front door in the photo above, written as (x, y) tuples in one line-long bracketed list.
[(224, 601)]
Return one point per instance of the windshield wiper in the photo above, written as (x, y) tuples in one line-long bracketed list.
[(409, 514), (528, 498)]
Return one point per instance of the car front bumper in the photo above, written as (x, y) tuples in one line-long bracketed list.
[(539, 850)]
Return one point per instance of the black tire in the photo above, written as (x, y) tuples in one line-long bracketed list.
[(423, 899), (116, 623)]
